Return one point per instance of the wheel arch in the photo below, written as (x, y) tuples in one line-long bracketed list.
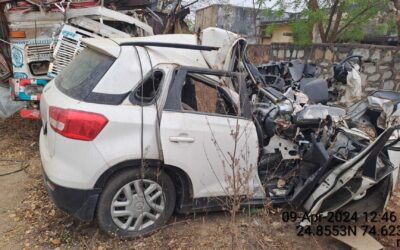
[(182, 182)]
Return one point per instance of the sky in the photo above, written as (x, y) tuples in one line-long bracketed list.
[(245, 3), (242, 2), (204, 3), (249, 3)]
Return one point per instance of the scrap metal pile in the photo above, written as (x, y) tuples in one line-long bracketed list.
[(40, 38), (323, 146), (315, 125)]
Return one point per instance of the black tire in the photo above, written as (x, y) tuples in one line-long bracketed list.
[(104, 218)]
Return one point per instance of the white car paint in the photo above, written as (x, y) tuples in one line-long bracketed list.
[(79, 164), (202, 145), (158, 55), (55, 150)]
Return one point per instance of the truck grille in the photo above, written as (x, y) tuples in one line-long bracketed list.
[(68, 46), (39, 52)]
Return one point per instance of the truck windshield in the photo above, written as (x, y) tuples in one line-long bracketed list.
[(80, 77)]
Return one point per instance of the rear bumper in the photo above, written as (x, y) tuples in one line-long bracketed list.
[(77, 202)]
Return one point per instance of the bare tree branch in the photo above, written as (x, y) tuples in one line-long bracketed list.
[(333, 11), (171, 17), (338, 19), (314, 6), (357, 16)]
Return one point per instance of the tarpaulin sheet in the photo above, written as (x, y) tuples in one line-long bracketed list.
[(8, 106)]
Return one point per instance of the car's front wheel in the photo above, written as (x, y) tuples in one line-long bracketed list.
[(131, 206)]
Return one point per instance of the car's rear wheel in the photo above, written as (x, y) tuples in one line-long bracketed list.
[(131, 206)]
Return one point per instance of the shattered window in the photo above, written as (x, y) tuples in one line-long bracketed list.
[(80, 77), (148, 90), (205, 97)]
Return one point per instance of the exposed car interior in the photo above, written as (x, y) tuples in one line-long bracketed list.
[(205, 95), (147, 91)]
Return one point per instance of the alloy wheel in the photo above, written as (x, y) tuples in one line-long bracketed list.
[(137, 205)]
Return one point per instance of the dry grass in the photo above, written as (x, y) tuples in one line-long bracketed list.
[(40, 225)]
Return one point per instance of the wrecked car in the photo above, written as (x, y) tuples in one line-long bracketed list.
[(371, 116), (136, 129)]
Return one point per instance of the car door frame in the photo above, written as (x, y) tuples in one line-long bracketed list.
[(173, 103)]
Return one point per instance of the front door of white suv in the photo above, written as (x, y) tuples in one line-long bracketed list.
[(198, 135)]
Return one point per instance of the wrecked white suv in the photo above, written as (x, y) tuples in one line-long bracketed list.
[(135, 129)]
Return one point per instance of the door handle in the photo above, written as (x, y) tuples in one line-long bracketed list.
[(181, 138)]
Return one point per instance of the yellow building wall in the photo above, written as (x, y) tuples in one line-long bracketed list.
[(278, 35)]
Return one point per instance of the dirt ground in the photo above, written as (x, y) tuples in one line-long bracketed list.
[(29, 220)]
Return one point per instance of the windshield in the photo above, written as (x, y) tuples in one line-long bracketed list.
[(80, 77)]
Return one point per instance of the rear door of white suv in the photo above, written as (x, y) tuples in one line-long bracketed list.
[(202, 133)]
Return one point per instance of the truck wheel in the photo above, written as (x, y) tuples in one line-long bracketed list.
[(131, 206)]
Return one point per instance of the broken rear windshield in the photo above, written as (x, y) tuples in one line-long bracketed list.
[(79, 78)]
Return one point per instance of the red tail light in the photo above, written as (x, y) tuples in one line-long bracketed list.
[(75, 124)]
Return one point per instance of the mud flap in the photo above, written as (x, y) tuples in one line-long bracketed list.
[(7, 106)]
